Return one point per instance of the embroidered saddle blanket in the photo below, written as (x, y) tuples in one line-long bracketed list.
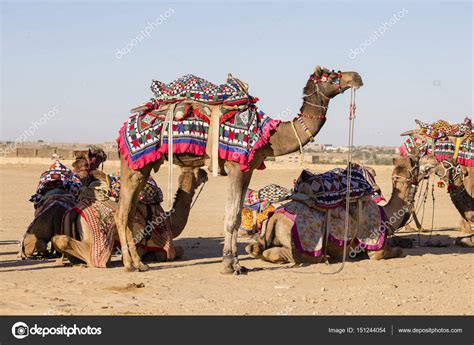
[(309, 226), (144, 137), (328, 189), (271, 193), (442, 140), (60, 174), (151, 193)]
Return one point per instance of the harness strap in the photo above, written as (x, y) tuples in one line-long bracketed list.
[(299, 142)]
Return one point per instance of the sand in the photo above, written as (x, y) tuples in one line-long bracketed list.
[(429, 280)]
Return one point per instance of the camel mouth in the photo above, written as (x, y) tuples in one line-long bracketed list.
[(356, 82)]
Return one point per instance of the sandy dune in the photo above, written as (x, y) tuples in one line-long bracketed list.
[(435, 281)]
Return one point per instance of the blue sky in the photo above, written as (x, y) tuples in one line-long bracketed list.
[(64, 55)]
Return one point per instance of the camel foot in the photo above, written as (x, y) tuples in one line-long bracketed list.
[(254, 250), (465, 226), (466, 241), (386, 253), (232, 266), (142, 267), (130, 268)]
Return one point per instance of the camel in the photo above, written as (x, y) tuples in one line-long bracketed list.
[(46, 224), (321, 87), (276, 243), (86, 164), (47, 221), (460, 182), (189, 180)]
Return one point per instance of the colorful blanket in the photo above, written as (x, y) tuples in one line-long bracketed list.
[(272, 193), (442, 140), (309, 226), (151, 193), (57, 172), (100, 218), (328, 189), (143, 139), (191, 87), (161, 236)]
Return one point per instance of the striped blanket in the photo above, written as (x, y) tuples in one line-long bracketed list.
[(243, 128)]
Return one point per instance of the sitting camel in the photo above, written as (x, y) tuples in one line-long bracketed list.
[(151, 245), (56, 193), (53, 199), (287, 234)]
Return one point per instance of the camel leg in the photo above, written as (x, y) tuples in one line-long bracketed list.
[(238, 184), (277, 255), (132, 182), (70, 246), (386, 252)]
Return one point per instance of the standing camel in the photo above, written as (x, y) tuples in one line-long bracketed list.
[(320, 88)]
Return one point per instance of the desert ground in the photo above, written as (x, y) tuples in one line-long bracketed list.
[(429, 280)]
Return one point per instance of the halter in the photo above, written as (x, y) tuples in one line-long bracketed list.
[(317, 81), (324, 78), (413, 180)]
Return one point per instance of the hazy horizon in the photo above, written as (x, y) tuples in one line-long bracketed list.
[(76, 62)]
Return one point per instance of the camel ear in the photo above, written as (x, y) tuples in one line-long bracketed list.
[(318, 71), (396, 160), (410, 132), (413, 161)]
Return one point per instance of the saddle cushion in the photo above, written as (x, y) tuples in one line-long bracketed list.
[(328, 189), (57, 172), (195, 88), (151, 193), (309, 226)]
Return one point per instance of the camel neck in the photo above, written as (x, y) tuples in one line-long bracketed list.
[(182, 207), (312, 116), (397, 209)]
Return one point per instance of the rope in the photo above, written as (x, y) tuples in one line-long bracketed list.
[(169, 122), (352, 108), (299, 142), (197, 196)]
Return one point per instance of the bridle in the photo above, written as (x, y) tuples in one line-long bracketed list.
[(320, 93), (412, 179)]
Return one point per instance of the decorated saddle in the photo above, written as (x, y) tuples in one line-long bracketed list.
[(190, 87), (328, 189), (259, 204), (151, 193), (310, 226), (238, 131), (57, 176), (452, 142)]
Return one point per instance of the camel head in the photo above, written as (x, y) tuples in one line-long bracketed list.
[(96, 157), (405, 168), (191, 178), (87, 161), (331, 82)]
